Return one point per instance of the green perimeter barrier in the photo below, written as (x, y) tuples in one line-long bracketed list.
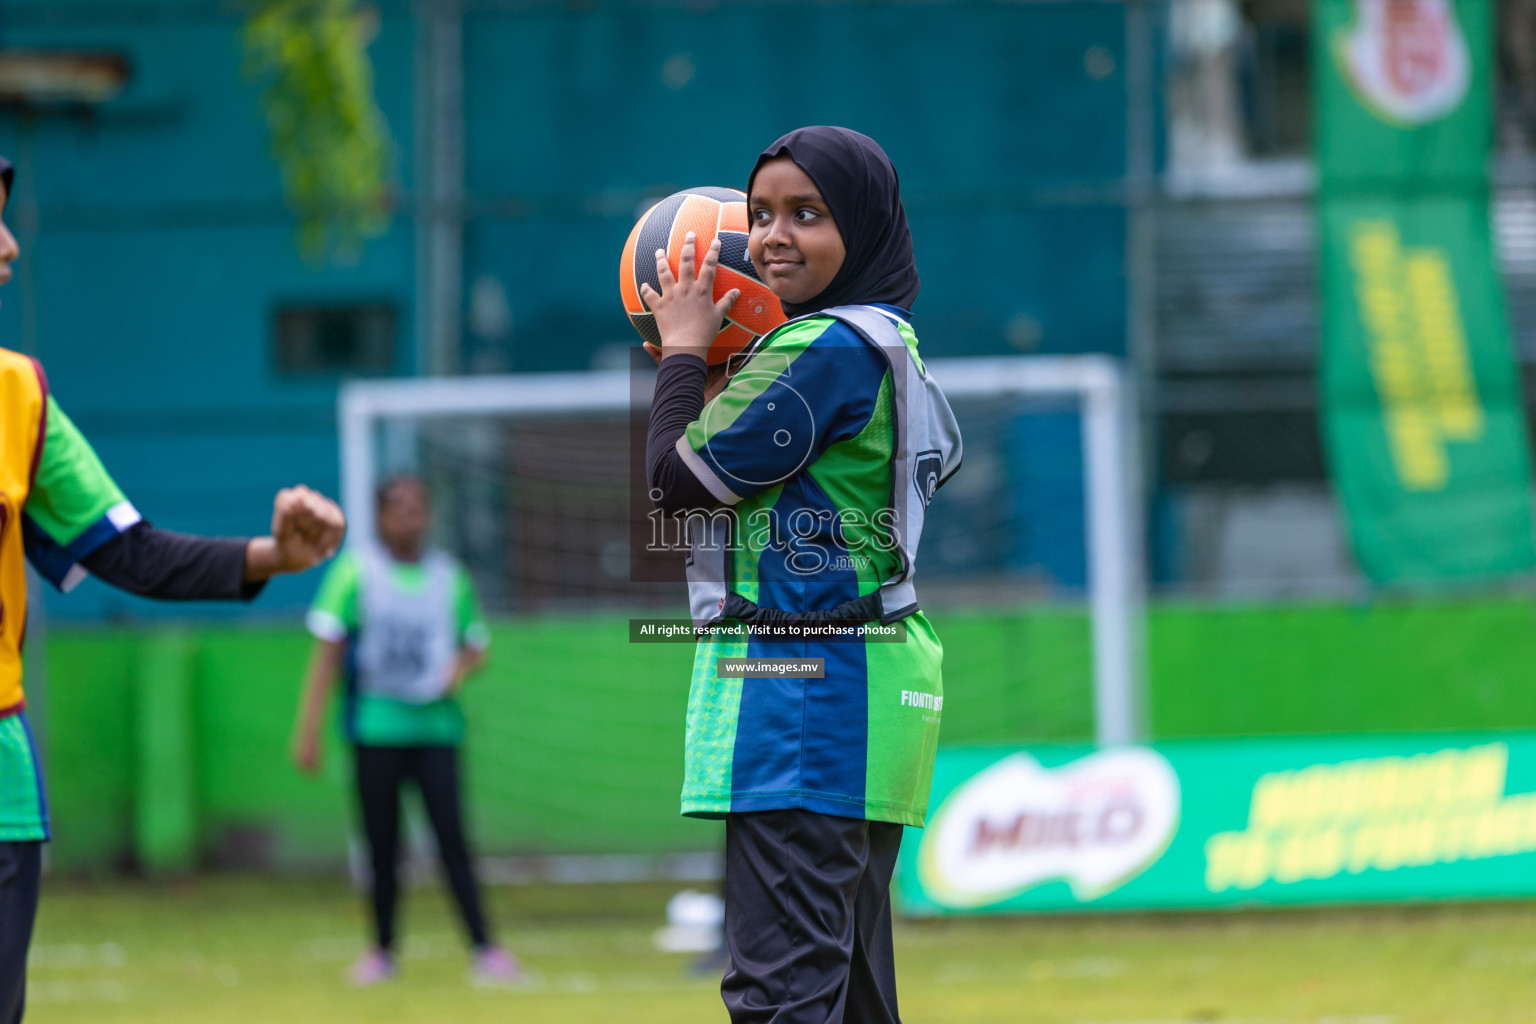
[(165, 818), (171, 747)]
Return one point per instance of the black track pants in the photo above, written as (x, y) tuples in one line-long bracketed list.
[(808, 919), (21, 871), (381, 775)]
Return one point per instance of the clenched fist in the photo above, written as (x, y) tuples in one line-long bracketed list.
[(307, 528)]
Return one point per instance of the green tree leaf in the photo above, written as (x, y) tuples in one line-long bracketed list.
[(329, 138)]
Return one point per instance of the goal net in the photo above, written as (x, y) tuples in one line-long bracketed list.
[(1030, 561)]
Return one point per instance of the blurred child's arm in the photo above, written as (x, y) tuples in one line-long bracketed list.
[(468, 662), (474, 632), (333, 621), (324, 666)]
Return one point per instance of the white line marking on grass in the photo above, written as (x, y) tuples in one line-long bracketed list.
[(431, 947), (329, 950), (582, 983), (1331, 1019), (1096, 966), (68, 955), (334, 949), (623, 867), (1083, 967), (76, 992), (1501, 956)]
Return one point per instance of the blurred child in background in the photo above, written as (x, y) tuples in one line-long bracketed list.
[(400, 624)]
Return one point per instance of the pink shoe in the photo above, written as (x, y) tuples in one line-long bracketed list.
[(374, 968), (495, 966)]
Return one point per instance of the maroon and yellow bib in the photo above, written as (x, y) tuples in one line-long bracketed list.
[(23, 420)]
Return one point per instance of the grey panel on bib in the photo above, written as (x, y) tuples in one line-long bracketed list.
[(928, 446), (708, 553), (407, 640)]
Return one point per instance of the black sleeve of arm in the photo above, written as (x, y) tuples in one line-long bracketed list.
[(173, 566), (678, 402)]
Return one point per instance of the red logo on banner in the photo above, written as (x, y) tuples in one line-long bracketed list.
[(1406, 59)]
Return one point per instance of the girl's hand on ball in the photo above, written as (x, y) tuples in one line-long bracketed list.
[(687, 316)]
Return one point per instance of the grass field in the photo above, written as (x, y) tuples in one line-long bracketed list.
[(247, 950)]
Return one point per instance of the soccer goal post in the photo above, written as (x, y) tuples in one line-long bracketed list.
[(1094, 387)]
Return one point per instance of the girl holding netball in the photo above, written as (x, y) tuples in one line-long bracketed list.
[(826, 446)]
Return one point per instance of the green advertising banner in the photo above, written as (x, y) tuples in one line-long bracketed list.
[(1212, 823), (1424, 418)]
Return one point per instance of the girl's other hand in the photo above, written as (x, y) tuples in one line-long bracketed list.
[(466, 664), (687, 316), (306, 753)]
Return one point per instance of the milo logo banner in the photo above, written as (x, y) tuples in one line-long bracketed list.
[(1220, 822), (1423, 413)]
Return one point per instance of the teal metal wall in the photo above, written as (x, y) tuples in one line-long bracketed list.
[(161, 245), (1007, 148)]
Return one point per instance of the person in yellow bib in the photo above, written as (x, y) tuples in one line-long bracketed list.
[(61, 511)]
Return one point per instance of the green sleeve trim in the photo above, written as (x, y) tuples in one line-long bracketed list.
[(335, 603), (72, 491), (909, 336), (473, 630)]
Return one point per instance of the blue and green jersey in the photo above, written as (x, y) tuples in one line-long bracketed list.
[(800, 445)]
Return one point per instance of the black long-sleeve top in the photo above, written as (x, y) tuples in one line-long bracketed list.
[(173, 566), (678, 401)]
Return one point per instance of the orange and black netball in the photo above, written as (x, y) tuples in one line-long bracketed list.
[(708, 212)]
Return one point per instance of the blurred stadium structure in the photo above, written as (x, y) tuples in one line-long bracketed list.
[(1122, 178), (204, 362), (1244, 494), (1142, 167)]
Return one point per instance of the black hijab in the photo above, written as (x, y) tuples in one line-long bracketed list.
[(857, 180)]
